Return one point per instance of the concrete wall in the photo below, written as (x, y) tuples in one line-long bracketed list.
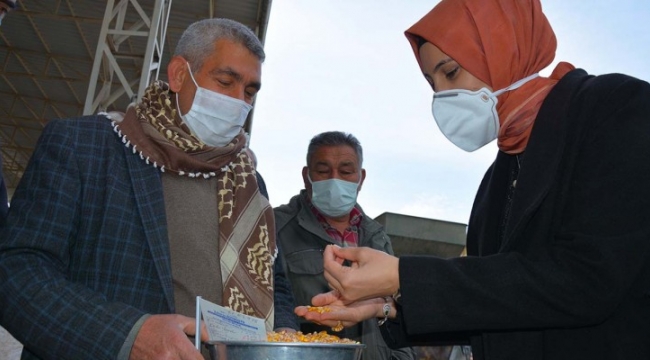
[(421, 236)]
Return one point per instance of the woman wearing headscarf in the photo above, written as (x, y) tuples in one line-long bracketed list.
[(558, 241)]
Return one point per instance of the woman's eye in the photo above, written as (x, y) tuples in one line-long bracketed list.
[(450, 74)]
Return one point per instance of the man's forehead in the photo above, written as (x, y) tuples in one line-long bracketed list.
[(234, 59), (339, 155)]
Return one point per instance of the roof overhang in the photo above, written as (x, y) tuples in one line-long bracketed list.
[(47, 51)]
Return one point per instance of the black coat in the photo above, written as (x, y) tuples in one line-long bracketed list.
[(567, 274), (3, 197)]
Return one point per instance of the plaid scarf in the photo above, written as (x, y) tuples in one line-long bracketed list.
[(246, 224)]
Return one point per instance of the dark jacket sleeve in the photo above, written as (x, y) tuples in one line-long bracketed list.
[(3, 197), (261, 185), (283, 298), (52, 315), (395, 335)]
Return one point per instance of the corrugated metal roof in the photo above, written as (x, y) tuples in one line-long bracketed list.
[(46, 57)]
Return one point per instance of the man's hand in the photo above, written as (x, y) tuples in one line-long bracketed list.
[(348, 314), (165, 337)]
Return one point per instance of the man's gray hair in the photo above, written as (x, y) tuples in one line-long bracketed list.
[(197, 41), (334, 138)]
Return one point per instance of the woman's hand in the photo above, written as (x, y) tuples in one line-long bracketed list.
[(372, 273)]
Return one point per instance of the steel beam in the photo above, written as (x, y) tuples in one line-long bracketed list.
[(109, 62)]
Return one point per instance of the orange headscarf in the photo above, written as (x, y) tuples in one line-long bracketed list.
[(499, 42)]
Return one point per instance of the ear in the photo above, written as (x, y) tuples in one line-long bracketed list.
[(305, 178), (176, 72), (363, 178)]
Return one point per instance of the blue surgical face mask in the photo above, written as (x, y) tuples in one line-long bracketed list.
[(334, 197)]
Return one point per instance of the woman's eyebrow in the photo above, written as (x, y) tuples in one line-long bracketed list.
[(440, 63)]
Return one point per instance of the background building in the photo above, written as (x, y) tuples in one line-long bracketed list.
[(413, 235)]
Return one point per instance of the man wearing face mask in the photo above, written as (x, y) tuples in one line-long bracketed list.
[(122, 219), (326, 212)]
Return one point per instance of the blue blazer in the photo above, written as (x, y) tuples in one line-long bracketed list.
[(85, 252)]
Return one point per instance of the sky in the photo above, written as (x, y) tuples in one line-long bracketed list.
[(345, 65)]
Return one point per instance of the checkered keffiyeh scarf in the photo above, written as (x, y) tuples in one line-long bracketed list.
[(246, 224)]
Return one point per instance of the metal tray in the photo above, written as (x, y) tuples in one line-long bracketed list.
[(246, 350)]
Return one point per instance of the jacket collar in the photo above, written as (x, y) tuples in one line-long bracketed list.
[(298, 206), (147, 186), (544, 150)]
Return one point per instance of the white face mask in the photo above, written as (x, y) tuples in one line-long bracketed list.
[(214, 118), (469, 119), (334, 197)]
